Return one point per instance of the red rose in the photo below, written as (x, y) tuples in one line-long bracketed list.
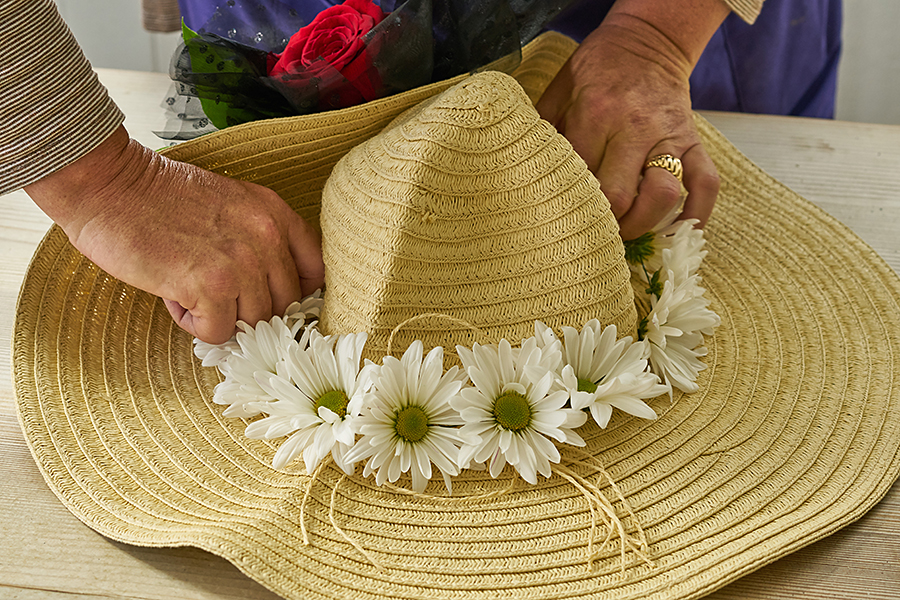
[(333, 43)]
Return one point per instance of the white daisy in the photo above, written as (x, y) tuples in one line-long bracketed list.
[(681, 251), (545, 337), (601, 372), (258, 349), (298, 314), (511, 411), (673, 214), (674, 332), (408, 423), (676, 247), (215, 355), (318, 394)]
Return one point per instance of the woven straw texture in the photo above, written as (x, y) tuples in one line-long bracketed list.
[(793, 434), (474, 208)]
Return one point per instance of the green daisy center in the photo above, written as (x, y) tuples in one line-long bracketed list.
[(411, 424), (586, 385), (336, 401), (512, 411)]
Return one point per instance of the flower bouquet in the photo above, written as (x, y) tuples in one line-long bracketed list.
[(267, 60)]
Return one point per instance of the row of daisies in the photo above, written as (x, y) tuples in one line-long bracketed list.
[(506, 405)]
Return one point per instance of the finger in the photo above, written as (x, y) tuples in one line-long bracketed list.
[(306, 249), (212, 323), (702, 182), (254, 303), (177, 312), (284, 282), (619, 174), (658, 193), (588, 141), (578, 123), (584, 129)]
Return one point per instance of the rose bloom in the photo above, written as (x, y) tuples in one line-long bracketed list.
[(333, 43)]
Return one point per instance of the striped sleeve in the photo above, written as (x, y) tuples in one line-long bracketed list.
[(748, 10), (53, 109)]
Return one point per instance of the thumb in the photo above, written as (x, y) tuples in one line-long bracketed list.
[(555, 99), (202, 325)]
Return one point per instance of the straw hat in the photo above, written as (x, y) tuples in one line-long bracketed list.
[(793, 434), (472, 207)]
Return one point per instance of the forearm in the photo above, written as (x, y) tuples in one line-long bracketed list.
[(747, 10), (53, 109), (675, 32), (77, 192)]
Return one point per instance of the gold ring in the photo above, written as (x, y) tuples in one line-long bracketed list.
[(667, 162)]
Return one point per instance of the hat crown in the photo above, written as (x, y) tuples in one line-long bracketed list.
[(473, 107), (471, 209)]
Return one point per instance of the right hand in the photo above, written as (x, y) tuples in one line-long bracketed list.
[(216, 249), (624, 97)]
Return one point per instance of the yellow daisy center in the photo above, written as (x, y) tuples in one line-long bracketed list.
[(586, 385), (512, 411), (411, 424), (336, 401)]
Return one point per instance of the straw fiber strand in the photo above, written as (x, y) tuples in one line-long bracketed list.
[(793, 434)]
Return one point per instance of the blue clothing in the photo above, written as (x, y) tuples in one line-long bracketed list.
[(784, 64)]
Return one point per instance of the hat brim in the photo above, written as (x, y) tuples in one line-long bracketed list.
[(793, 434)]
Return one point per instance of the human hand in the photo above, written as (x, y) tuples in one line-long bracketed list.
[(623, 98), (218, 250)]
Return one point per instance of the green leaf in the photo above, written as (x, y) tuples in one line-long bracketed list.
[(642, 328), (655, 287), (639, 249), (225, 67)]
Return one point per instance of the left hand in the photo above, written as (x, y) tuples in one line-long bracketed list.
[(216, 249), (623, 98)]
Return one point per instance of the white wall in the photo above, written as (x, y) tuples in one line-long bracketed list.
[(110, 33), (869, 72)]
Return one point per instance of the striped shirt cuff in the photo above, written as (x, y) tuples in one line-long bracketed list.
[(748, 10), (53, 109)]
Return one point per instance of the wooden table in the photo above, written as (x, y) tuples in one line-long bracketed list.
[(851, 170)]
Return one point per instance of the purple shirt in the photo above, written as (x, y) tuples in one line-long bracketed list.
[(785, 63)]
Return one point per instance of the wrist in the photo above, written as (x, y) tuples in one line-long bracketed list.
[(78, 192), (677, 30)]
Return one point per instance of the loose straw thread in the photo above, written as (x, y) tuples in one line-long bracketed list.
[(367, 554), (312, 480), (415, 318), (592, 493), (597, 500), (594, 496), (595, 464), (593, 532), (337, 528)]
